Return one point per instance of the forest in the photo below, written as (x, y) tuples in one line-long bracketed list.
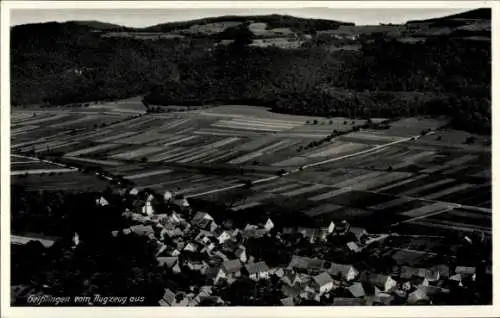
[(57, 64)]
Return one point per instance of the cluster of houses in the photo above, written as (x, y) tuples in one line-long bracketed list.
[(189, 241)]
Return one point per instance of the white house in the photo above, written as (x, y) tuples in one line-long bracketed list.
[(384, 282), (102, 201), (347, 272), (190, 247), (323, 282), (330, 228), (257, 271), (223, 236), (167, 196), (147, 209), (269, 224), (76, 239), (133, 191), (353, 247), (241, 254)]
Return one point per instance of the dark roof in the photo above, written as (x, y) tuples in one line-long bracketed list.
[(357, 290), (169, 261), (232, 266), (140, 229), (378, 280), (287, 301), (254, 268), (341, 301), (339, 268), (168, 298), (323, 279), (302, 262)]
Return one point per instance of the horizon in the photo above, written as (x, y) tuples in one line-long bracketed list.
[(141, 18)]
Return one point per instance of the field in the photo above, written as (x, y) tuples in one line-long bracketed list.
[(385, 180)]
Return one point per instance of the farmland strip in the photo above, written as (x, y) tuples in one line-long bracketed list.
[(330, 194), (448, 191), (304, 190), (148, 174), (91, 149), (427, 186)]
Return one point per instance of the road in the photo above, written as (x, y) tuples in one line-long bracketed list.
[(316, 164)]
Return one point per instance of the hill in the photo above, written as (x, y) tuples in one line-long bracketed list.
[(411, 72), (477, 14), (98, 25), (272, 21)]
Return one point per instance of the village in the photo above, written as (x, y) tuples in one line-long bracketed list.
[(227, 268)]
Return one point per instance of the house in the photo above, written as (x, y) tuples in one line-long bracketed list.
[(457, 278), (288, 301), (306, 263), (257, 271), (290, 278), (169, 262), (211, 301), (229, 269), (359, 232), (291, 291), (417, 296), (347, 272), (150, 198), (466, 271), (443, 270), (191, 247), (269, 225), (222, 235), (147, 208), (330, 228), (241, 254), (254, 233), (384, 299), (310, 234), (198, 266), (101, 201), (203, 237), (383, 282), (342, 301), (168, 298), (353, 247), (323, 282), (143, 230), (133, 192), (357, 290)]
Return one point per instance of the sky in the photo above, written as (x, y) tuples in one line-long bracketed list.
[(149, 17)]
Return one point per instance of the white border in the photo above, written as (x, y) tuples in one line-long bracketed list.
[(402, 311)]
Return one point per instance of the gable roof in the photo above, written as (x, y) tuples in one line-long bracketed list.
[(287, 301), (302, 262), (342, 301), (232, 266), (378, 280), (168, 298), (323, 279), (339, 268), (169, 261), (357, 290), (466, 270), (140, 229), (254, 268)]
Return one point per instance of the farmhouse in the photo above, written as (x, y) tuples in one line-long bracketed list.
[(229, 270), (347, 272), (257, 271), (384, 282), (323, 282), (168, 298)]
